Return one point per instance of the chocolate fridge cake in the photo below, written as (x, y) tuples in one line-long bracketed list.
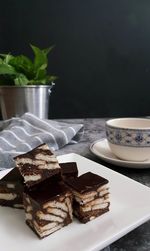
[(11, 189), (37, 165), (91, 196), (48, 207), (69, 169)]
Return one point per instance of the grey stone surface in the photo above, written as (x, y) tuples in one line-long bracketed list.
[(94, 129)]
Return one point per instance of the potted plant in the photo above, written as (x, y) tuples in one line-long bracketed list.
[(25, 84)]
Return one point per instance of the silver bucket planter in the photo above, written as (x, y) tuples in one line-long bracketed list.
[(15, 101)]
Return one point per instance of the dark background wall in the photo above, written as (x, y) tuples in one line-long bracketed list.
[(101, 55)]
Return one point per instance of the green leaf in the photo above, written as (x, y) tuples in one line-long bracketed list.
[(44, 81), (20, 70), (40, 58), (40, 74), (6, 57), (7, 69), (3, 55), (23, 64), (47, 50), (21, 80), (51, 78)]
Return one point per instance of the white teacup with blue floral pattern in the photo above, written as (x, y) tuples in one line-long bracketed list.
[(129, 138)]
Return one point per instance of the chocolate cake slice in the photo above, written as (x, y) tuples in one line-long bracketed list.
[(11, 189), (48, 207), (69, 169), (37, 165), (91, 196)]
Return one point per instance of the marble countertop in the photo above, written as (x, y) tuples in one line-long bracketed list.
[(94, 129)]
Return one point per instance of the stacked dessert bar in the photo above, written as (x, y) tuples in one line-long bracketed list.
[(37, 165), (48, 208), (51, 192), (47, 202), (91, 196)]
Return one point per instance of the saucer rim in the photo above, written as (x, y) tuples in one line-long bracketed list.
[(117, 161)]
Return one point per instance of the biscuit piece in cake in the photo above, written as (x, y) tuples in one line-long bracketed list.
[(91, 196), (69, 169), (11, 189), (48, 208), (37, 165)]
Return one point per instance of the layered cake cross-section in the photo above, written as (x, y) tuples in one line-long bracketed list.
[(11, 189), (91, 196), (37, 165), (48, 208)]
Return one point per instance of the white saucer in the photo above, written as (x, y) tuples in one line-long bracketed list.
[(101, 149)]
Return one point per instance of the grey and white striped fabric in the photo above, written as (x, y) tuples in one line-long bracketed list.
[(22, 134)]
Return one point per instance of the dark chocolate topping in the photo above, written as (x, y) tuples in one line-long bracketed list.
[(13, 175), (47, 191), (69, 169), (86, 182)]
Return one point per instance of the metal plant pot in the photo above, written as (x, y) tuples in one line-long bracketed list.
[(15, 101)]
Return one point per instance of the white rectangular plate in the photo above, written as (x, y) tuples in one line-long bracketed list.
[(126, 213)]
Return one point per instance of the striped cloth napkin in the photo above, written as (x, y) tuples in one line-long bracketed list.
[(21, 134)]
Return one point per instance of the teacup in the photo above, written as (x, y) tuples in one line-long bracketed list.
[(129, 138)]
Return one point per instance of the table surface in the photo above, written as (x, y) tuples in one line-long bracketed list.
[(94, 129)]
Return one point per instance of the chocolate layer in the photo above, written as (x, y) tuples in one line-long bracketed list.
[(87, 182), (46, 191), (91, 196), (88, 216), (69, 169), (13, 175), (11, 189), (48, 208)]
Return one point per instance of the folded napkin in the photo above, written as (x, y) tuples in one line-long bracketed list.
[(21, 134)]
